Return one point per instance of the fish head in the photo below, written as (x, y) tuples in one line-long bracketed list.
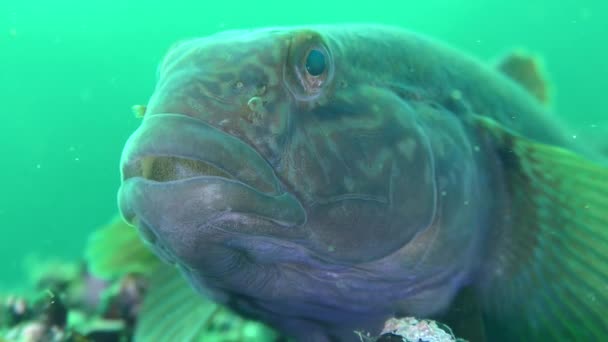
[(276, 147)]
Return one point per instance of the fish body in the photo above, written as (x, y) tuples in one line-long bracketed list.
[(323, 179)]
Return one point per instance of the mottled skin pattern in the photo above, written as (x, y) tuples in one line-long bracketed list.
[(325, 203)]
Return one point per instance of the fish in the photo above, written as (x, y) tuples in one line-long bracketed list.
[(323, 179)]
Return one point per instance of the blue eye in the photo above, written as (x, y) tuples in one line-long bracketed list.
[(315, 62)]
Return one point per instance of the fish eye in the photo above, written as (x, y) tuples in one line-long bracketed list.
[(315, 62), (309, 65)]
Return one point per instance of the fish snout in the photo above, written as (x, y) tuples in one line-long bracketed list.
[(183, 181), (172, 147)]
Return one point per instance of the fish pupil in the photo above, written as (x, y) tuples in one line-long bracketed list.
[(315, 63)]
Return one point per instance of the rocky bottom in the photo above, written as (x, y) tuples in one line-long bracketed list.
[(66, 303)]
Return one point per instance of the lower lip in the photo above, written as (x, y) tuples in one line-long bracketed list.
[(200, 198)]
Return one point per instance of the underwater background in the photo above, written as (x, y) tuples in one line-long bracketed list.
[(71, 70)]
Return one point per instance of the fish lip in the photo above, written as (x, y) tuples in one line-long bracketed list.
[(171, 135), (175, 204), (137, 193), (181, 219)]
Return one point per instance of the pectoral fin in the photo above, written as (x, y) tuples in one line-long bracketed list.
[(547, 272), (172, 310), (116, 249)]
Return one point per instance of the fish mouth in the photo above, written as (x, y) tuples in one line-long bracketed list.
[(181, 176), (167, 169), (173, 147)]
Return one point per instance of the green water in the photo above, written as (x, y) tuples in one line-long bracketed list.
[(70, 71)]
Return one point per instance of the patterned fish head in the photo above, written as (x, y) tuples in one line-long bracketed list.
[(277, 157)]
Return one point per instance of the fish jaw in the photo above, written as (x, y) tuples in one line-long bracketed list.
[(238, 237), (176, 186)]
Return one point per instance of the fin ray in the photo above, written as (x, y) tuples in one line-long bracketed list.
[(549, 269), (171, 297), (116, 249)]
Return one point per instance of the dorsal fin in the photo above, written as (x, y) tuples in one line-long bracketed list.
[(528, 71)]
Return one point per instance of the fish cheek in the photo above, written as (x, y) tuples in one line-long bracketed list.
[(390, 195), (366, 228), (354, 230)]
